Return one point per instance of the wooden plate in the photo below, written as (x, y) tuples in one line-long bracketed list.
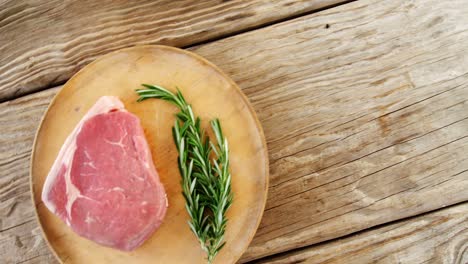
[(212, 94)]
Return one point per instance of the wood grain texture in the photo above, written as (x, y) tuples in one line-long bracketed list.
[(437, 237), (366, 119), (43, 43), (119, 74), (20, 236), (25, 244)]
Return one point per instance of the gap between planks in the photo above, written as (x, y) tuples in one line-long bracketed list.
[(291, 255), (263, 20)]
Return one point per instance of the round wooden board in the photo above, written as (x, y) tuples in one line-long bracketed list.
[(212, 94)]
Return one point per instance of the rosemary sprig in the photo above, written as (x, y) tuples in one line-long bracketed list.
[(206, 181)]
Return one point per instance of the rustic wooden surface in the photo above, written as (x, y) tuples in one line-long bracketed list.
[(20, 236), (366, 120), (436, 237), (43, 43), (364, 107), (121, 72)]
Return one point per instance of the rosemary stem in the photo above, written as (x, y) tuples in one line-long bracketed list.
[(206, 182)]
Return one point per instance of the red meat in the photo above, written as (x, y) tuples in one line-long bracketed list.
[(103, 183)]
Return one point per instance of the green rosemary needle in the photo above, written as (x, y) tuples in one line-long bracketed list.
[(206, 181)]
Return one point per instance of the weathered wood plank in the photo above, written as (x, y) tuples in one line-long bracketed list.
[(20, 236), (437, 237), (42, 43), (366, 119), (25, 244)]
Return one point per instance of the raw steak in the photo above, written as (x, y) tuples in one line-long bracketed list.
[(103, 183)]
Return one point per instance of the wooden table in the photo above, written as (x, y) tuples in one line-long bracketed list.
[(363, 103)]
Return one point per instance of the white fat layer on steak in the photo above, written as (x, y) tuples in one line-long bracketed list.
[(65, 156), (72, 192)]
